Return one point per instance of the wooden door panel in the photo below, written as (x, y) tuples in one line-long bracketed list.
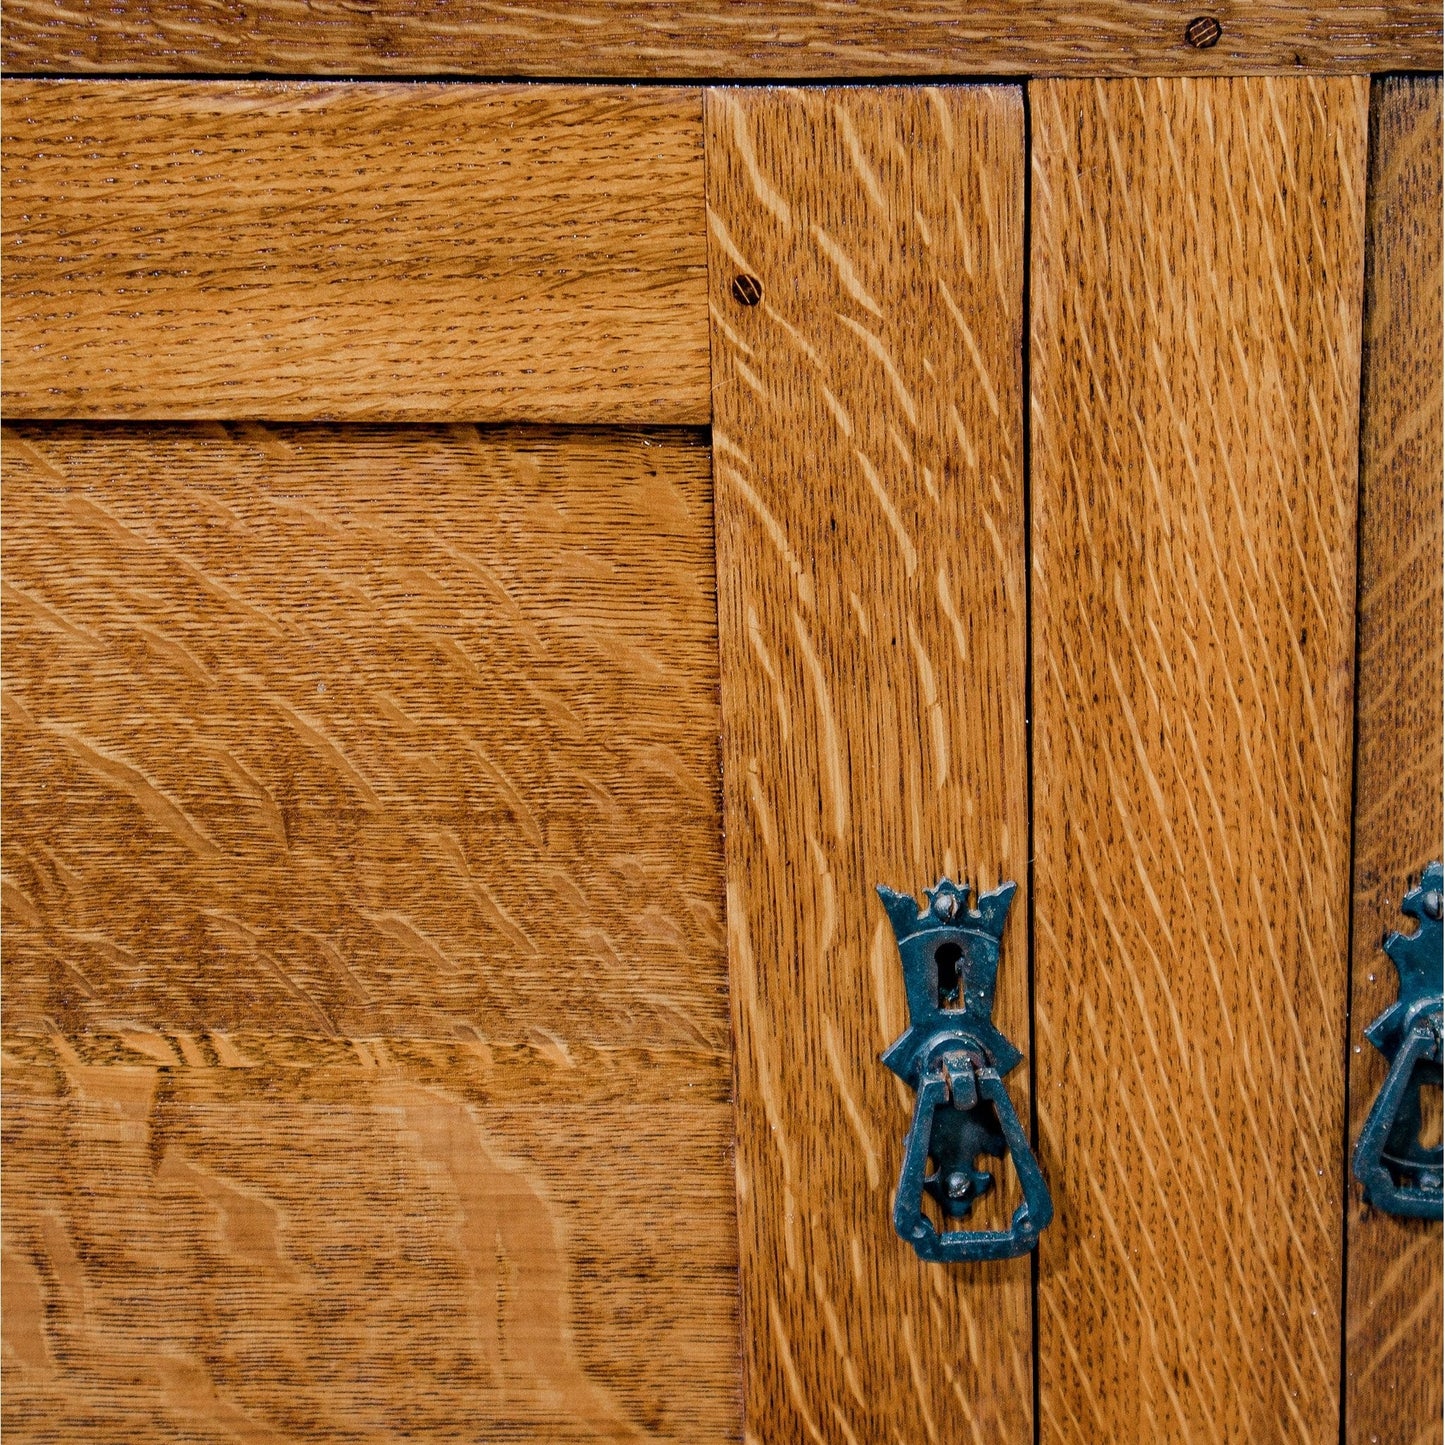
[(302, 251), (1197, 278), (218, 1239), (868, 441), (405, 731), (1393, 1319), (364, 970)]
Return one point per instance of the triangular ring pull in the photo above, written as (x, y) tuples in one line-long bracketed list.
[(1402, 1175), (955, 1059)]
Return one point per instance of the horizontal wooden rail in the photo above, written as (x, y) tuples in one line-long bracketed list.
[(297, 252), (715, 39)]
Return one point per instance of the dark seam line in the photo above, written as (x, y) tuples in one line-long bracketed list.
[(733, 1041), (1371, 172)]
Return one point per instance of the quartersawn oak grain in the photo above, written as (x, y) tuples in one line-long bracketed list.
[(367, 1067), (707, 39), (363, 731), (434, 1242), (1393, 1285), (1197, 284), (868, 452), (385, 252)]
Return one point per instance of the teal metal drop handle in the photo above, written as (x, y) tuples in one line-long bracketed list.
[(1400, 1174), (954, 1057)]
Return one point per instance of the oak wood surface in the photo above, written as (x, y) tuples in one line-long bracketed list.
[(367, 1061), (868, 455), (741, 39), (387, 252), (423, 1242), (1197, 282), (1393, 1319), (363, 731)]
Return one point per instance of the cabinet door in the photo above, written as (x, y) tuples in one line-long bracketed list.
[(1191, 503)]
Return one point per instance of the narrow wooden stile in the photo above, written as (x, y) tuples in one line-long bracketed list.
[(867, 432), (1393, 1304), (1197, 282)]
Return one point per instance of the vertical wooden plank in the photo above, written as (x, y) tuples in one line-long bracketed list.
[(1197, 255), (868, 455), (1393, 1308)]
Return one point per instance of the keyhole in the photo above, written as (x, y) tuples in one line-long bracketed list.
[(946, 960)]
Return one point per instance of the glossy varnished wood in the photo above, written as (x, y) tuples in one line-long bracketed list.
[(363, 731), (683, 39), (1393, 1319), (1197, 282), (223, 1238), (868, 451), (312, 251)]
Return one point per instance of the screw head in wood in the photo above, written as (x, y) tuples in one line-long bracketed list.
[(747, 290), (1203, 32)]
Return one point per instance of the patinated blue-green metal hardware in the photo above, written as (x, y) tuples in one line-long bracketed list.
[(1400, 1174), (955, 1059)]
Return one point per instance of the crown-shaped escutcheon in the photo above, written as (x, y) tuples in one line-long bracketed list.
[(1401, 1173), (950, 956), (948, 905), (954, 1059), (1418, 960)]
